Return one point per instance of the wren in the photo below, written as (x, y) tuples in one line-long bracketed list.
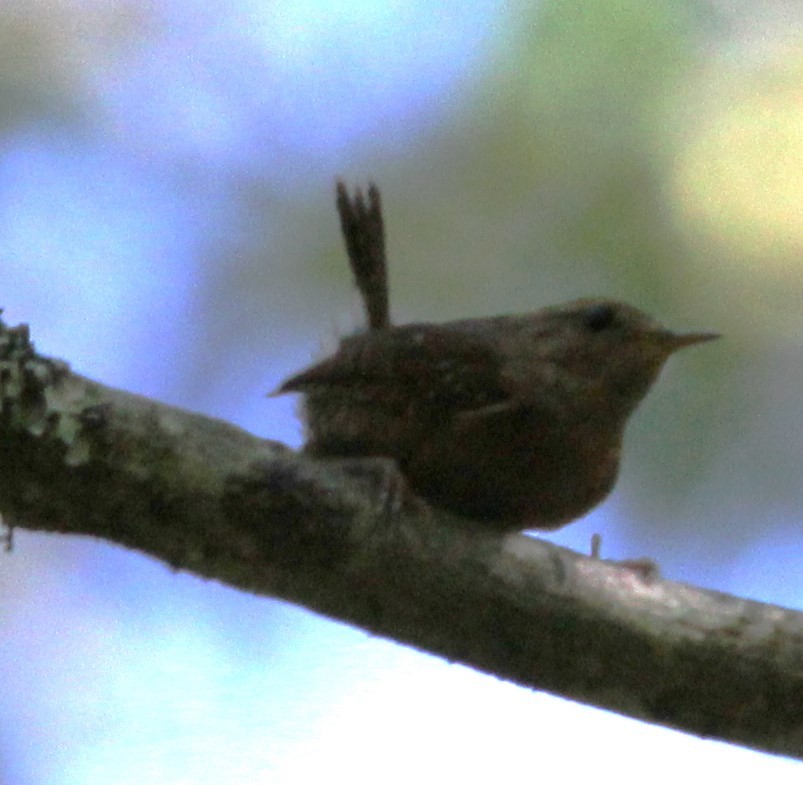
[(516, 421)]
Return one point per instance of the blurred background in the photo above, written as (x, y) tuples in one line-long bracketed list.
[(167, 225)]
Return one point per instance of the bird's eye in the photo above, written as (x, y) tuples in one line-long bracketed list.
[(599, 317)]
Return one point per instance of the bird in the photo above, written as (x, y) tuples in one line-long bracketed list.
[(513, 421)]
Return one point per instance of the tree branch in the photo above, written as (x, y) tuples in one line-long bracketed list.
[(80, 458)]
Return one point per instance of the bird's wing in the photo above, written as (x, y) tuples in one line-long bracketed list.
[(439, 365)]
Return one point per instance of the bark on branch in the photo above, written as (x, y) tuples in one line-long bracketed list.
[(80, 458)]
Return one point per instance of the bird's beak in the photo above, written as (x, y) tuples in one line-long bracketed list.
[(680, 340)]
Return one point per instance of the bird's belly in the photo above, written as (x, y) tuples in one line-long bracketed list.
[(519, 479), (512, 470)]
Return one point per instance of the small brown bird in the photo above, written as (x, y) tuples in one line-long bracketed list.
[(513, 420)]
